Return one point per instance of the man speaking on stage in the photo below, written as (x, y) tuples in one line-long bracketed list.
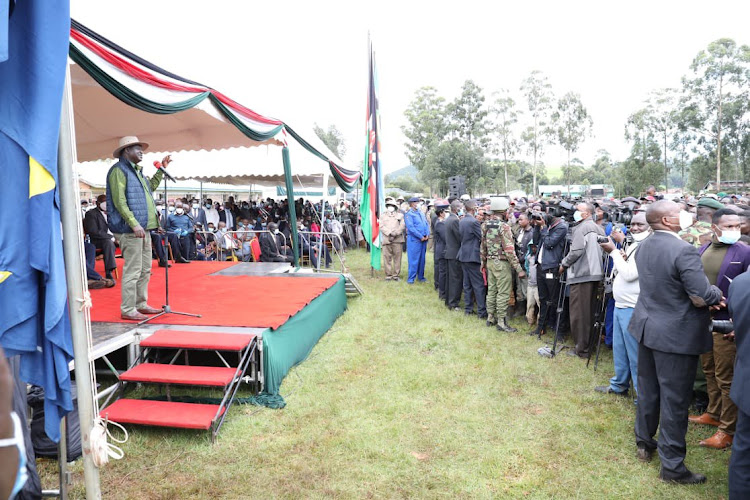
[(131, 215)]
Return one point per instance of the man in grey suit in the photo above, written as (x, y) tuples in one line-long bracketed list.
[(739, 465), (671, 324), (468, 255)]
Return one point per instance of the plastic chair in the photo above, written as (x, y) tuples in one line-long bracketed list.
[(255, 249)]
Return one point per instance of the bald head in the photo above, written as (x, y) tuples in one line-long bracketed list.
[(664, 215)]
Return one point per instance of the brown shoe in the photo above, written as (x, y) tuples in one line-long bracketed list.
[(97, 284), (718, 441), (109, 283), (704, 419), (134, 316), (149, 310)]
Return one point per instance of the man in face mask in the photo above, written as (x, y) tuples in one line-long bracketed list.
[(625, 290), (392, 228), (584, 266), (269, 246), (670, 322), (699, 232), (95, 225), (723, 260), (182, 226)]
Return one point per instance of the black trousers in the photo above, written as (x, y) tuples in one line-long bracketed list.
[(474, 288), (436, 271), (549, 294), (739, 464), (107, 247), (454, 283), (442, 277), (161, 251), (665, 388)]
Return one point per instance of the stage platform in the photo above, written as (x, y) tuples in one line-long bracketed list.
[(289, 311)]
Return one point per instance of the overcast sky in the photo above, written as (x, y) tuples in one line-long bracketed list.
[(305, 62)]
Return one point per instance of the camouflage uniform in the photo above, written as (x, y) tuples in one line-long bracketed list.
[(498, 255), (697, 234)]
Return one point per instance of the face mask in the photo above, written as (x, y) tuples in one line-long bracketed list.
[(276, 231), (640, 236), (212, 229), (729, 237), (577, 216), (460, 213), (179, 211), (103, 206), (221, 208), (207, 205), (171, 209), (686, 220), (241, 224), (391, 209), (196, 206)]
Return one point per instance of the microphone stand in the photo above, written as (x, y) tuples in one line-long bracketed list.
[(166, 309)]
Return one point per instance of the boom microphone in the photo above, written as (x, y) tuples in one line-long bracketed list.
[(158, 166)]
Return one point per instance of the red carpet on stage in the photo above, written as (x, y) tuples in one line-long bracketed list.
[(249, 301)]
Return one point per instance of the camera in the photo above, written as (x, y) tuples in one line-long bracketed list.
[(722, 326), (602, 239)]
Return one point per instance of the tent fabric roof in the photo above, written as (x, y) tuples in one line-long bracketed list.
[(113, 87)]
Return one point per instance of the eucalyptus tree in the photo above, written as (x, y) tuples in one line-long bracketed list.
[(572, 124), (539, 97), (719, 79), (505, 114), (427, 125)]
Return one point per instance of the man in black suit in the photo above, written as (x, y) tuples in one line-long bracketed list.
[(95, 225), (468, 255), (452, 245), (226, 215), (671, 324), (441, 269), (269, 246), (739, 464)]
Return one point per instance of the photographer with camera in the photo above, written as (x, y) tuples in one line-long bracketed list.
[(584, 266), (550, 237), (724, 258), (625, 290)]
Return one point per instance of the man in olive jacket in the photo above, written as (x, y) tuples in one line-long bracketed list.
[(392, 230)]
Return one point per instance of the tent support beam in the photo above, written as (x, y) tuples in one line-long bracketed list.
[(74, 271), (290, 205)]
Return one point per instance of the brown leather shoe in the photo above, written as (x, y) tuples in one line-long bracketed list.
[(704, 419), (134, 316), (718, 441), (149, 310)]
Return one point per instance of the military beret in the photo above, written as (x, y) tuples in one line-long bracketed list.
[(710, 203)]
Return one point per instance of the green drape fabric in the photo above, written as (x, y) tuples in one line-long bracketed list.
[(290, 202)]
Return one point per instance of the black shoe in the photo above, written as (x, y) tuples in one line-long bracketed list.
[(164, 264), (644, 454), (182, 261), (468, 313), (482, 316), (686, 478), (608, 390)]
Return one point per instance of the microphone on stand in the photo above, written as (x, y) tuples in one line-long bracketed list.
[(158, 165)]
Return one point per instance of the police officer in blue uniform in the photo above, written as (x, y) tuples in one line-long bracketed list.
[(417, 234)]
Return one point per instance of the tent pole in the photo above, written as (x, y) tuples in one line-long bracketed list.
[(290, 205), (322, 216), (201, 194), (74, 270)]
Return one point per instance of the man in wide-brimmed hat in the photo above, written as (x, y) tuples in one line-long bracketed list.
[(131, 214)]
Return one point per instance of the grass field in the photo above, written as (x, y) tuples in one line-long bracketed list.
[(404, 399)]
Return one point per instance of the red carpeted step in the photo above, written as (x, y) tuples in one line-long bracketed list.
[(155, 373), (161, 413), (178, 339)]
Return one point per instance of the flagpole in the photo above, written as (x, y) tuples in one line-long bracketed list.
[(80, 323)]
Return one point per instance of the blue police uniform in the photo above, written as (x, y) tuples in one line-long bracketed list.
[(416, 229)]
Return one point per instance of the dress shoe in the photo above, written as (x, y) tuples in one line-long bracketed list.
[(182, 261), (468, 313), (97, 284), (482, 316), (644, 454), (718, 441), (109, 283), (686, 478), (704, 419), (134, 316), (608, 390), (164, 264), (149, 310)]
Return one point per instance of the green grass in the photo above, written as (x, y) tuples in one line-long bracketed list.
[(404, 399)]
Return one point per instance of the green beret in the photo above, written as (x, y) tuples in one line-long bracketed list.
[(710, 203)]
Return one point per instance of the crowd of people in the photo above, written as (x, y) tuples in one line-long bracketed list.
[(651, 278)]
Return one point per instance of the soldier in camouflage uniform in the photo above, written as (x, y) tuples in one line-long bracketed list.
[(498, 255), (700, 232)]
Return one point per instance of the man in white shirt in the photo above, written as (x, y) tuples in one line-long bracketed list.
[(212, 215), (625, 290)]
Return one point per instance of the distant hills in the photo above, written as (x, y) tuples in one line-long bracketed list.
[(409, 171)]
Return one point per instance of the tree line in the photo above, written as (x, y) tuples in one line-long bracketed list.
[(681, 137)]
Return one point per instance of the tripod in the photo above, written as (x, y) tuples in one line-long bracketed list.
[(601, 311), (546, 351), (166, 309)]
